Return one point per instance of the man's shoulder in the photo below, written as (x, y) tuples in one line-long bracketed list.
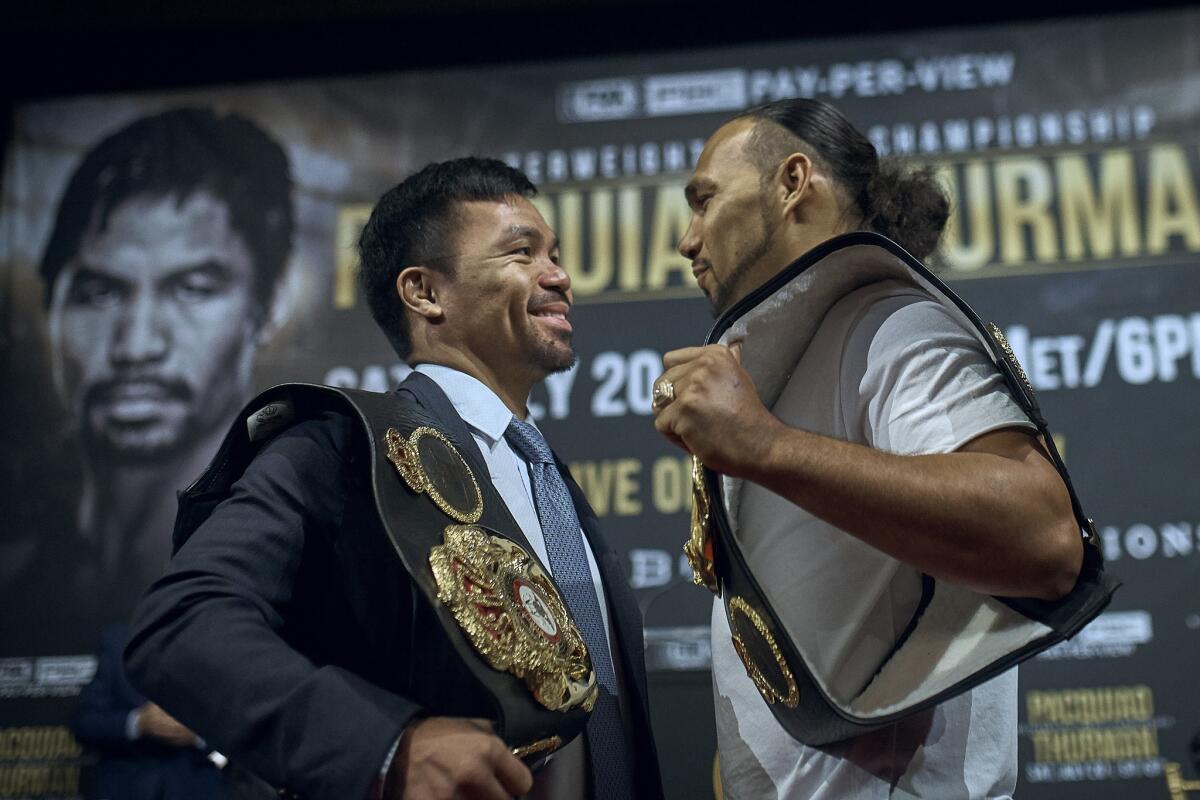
[(329, 429), (310, 417), (333, 430), (874, 304), (893, 314)]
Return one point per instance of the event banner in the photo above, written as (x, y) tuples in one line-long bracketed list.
[(1071, 153)]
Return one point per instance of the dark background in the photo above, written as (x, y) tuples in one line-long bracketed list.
[(58, 47)]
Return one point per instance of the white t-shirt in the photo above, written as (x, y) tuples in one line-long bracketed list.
[(892, 369)]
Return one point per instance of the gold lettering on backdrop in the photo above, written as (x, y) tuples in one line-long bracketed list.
[(671, 484), (1112, 215), (629, 211), (570, 237), (52, 749), (969, 241), (671, 219), (1088, 206), (1078, 745), (1023, 194), (625, 500), (1010, 215), (1172, 209), (1110, 723), (38, 743), (1094, 706), (602, 242), (611, 486), (39, 780)]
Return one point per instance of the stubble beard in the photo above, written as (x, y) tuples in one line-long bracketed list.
[(554, 355), (725, 292), (551, 351), (187, 418), (144, 444)]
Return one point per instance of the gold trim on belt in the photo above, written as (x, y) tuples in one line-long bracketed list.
[(699, 548), (789, 694), (430, 464)]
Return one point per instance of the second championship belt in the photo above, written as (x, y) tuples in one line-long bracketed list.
[(957, 638)]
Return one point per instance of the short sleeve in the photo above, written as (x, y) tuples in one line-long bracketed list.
[(916, 381)]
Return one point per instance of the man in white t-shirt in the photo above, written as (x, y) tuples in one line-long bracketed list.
[(893, 452)]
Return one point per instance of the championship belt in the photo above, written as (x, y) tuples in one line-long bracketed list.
[(496, 604), (957, 638)]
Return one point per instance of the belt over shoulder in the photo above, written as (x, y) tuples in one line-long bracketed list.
[(452, 533), (921, 671)]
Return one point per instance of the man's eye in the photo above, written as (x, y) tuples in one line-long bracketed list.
[(95, 292), (197, 286), (524, 251)]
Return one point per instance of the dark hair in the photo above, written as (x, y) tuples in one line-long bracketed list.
[(907, 205), (413, 223), (181, 152)]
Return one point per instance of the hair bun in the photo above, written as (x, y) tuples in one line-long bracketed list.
[(907, 205)]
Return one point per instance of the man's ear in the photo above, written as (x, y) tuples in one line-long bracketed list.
[(796, 179), (418, 290)]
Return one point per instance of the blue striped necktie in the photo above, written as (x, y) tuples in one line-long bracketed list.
[(610, 758)]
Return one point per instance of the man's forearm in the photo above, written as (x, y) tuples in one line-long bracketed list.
[(993, 516)]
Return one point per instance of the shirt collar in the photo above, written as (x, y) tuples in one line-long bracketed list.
[(477, 404)]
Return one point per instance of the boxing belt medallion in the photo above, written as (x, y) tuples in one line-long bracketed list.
[(910, 679)]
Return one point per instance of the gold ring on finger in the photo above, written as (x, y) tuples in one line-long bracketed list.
[(664, 393)]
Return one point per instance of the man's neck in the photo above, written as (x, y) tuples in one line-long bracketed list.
[(128, 510), (513, 390)]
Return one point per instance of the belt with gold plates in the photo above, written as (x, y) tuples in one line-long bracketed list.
[(497, 606), (924, 668)]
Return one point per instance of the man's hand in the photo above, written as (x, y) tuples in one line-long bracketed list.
[(716, 414), (154, 723), (447, 758)]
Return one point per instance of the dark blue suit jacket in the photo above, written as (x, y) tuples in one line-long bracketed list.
[(287, 633), (137, 769)]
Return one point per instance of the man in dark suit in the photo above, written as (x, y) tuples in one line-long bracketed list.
[(285, 630), (142, 753)]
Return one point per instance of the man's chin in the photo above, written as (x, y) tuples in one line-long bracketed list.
[(134, 444), (555, 357), (560, 363), (551, 352)]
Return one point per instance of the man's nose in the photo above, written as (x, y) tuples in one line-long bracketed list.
[(141, 334), (689, 245), (555, 277)]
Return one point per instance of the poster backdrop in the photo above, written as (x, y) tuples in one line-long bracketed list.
[(1072, 153)]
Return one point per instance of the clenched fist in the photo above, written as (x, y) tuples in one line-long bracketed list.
[(715, 414), (448, 758)]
